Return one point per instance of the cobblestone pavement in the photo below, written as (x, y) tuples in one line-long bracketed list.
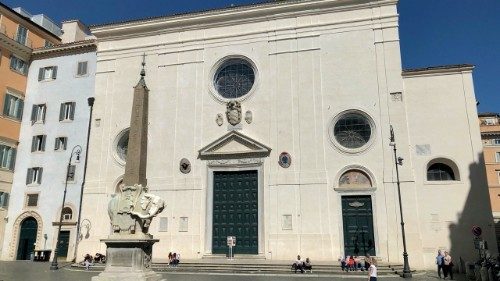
[(27, 271)]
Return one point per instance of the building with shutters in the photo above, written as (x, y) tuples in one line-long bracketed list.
[(55, 120), (490, 135), (271, 123), (20, 33)]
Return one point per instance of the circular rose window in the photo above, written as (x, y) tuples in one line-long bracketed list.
[(234, 78), (122, 145), (352, 131)]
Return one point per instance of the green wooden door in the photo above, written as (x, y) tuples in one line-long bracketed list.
[(358, 225), (235, 209), (62, 250), (27, 238)]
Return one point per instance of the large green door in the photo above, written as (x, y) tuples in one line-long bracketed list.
[(27, 238), (235, 210), (358, 225), (62, 249)]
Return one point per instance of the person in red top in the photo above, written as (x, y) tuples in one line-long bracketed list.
[(351, 264)]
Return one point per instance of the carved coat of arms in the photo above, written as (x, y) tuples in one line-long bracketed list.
[(233, 112)]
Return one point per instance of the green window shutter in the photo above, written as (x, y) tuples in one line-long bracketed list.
[(34, 112), (19, 113), (44, 137), (13, 62), (29, 175), (61, 112), (54, 72), (56, 145), (6, 200), (13, 159), (40, 171), (65, 143), (72, 111), (44, 112), (41, 73), (33, 144), (6, 105)]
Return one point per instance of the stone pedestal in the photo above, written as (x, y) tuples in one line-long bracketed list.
[(127, 260)]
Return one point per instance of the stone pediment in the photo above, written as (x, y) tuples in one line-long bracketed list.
[(234, 145)]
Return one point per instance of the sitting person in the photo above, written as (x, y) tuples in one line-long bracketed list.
[(87, 261), (350, 263), (308, 265), (367, 262), (298, 265), (343, 263), (175, 259)]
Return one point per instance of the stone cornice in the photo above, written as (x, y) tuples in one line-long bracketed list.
[(444, 69), (65, 49), (230, 16)]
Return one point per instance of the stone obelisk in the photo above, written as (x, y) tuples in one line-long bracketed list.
[(130, 246), (135, 168)]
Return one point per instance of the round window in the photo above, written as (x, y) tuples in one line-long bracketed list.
[(234, 78), (122, 145), (352, 130)]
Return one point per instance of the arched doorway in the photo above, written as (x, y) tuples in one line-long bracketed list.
[(27, 238)]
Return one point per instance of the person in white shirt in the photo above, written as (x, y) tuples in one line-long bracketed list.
[(298, 265), (372, 270)]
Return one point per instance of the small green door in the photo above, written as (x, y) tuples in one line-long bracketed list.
[(27, 238), (62, 249), (235, 210), (357, 218)]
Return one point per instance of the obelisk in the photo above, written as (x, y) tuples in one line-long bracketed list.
[(130, 246), (135, 168)]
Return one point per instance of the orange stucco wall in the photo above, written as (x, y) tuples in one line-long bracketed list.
[(492, 166), (9, 128)]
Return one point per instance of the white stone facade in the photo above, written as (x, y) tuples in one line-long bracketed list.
[(67, 86), (314, 61)]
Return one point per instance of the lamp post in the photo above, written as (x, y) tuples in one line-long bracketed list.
[(77, 149), (399, 161), (78, 227)]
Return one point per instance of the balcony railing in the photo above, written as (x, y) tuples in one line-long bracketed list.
[(20, 39)]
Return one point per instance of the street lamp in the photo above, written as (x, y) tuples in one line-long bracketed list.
[(75, 151), (78, 226), (399, 161)]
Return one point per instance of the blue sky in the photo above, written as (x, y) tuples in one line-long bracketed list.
[(432, 32)]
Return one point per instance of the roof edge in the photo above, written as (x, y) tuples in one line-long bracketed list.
[(438, 69)]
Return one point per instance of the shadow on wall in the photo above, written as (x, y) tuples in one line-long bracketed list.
[(476, 211)]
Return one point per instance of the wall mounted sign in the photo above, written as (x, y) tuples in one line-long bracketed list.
[(285, 160)]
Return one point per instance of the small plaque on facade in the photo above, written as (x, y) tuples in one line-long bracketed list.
[(183, 224), (423, 149), (285, 160), (287, 222), (397, 96)]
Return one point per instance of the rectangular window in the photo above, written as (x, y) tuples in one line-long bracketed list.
[(22, 34), (47, 73), (38, 113), (496, 141), (32, 200), (497, 156), (183, 224), (67, 111), (48, 44), (4, 200), (38, 143), (163, 226), (13, 106), (34, 175), (498, 176), (61, 143), (7, 157), (18, 65), (82, 68), (71, 173)]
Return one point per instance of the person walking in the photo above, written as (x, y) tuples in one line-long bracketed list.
[(448, 265), (372, 270), (440, 263)]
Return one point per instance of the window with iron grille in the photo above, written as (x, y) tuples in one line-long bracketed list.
[(352, 130), (440, 172), (234, 78), (32, 200)]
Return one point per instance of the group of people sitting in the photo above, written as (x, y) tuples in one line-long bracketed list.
[(173, 259), (302, 265), (354, 263)]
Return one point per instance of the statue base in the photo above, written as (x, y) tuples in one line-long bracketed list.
[(128, 258)]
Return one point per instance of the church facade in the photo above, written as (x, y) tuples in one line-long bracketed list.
[(271, 123)]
